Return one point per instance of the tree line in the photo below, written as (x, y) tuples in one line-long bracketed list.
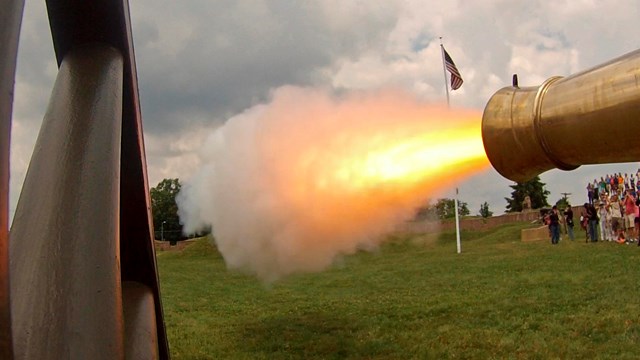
[(167, 225), (166, 221), (444, 208)]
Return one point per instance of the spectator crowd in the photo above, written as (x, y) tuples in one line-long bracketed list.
[(612, 211)]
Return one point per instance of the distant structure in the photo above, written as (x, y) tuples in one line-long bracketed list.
[(526, 204)]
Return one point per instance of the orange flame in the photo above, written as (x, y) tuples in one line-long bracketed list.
[(395, 166), (417, 159)]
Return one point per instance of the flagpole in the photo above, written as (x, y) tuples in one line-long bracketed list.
[(457, 223), (444, 72)]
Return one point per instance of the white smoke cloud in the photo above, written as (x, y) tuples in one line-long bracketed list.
[(290, 185)]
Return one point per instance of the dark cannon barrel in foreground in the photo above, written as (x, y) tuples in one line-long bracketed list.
[(78, 275)]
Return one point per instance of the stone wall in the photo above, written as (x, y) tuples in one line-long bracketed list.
[(476, 224)]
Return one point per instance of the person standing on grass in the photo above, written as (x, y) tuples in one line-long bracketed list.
[(592, 222), (602, 215), (584, 221), (608, 228), (637, 221), (630, 215), (636, 224), (554, 225), (568, 218), (617, 222)]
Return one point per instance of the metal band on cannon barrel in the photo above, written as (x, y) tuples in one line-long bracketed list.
[(586, 118)]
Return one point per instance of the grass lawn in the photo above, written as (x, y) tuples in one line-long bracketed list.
[(415, 298)]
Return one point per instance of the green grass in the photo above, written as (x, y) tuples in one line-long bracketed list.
[(415, 298)]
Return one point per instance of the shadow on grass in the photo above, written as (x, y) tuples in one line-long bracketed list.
[(319, 335)]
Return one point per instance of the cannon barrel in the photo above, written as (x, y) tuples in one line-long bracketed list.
[(592, 117)]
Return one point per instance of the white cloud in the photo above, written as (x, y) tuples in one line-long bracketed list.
[(201, 62)]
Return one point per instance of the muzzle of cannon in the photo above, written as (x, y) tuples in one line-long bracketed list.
[(592, 117)]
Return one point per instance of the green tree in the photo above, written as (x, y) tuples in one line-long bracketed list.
[(442, 209), (445, 208), (484, 210), (536, 191), (563, 203), (166, 221), (426, 212)]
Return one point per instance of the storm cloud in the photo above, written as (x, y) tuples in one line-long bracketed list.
[(202, 62)]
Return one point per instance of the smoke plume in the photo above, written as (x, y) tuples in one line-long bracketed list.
[(290, 185)]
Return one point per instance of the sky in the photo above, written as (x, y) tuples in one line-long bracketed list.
[(202, 62)]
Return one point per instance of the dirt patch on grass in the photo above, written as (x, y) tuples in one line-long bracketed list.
[(166, 245)]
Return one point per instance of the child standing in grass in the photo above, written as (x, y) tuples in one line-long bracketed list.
[(616, 215), (608, 228), (602, 215)]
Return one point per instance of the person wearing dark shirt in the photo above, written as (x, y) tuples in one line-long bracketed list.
[(554, 225), (592, 216), (568, 218)]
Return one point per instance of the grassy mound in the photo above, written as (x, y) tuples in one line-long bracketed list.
[(412, 298)]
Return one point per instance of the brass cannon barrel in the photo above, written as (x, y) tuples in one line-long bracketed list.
[(592, 117)]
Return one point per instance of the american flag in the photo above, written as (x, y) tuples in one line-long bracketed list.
[(456, 79)]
